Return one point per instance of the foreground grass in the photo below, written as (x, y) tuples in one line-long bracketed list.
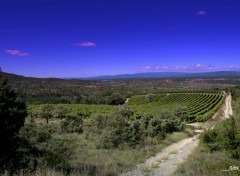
[(204, 163), (90, 160), (116, 161)]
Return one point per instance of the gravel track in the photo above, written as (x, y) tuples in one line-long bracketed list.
[(166, 162), (228, 107)]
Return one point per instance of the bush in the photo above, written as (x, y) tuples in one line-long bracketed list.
[(150, 97), (224, 137), (73, 124), (115, 99), (165, 123), (135, 133), (117, 128), (231, 140), (122, 129), (41, 146), (209, 138)]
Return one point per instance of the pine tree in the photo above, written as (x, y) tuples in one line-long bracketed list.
[(12, 116)]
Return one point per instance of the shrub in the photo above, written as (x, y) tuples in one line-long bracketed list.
[(73, 124), (42, 147), (224, 137), (150, 97), (115, 99)]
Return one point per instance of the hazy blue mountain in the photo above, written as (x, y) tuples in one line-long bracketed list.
[(135, 76), (165, 75)]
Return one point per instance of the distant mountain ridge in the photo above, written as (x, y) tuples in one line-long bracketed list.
[(134, 76), (165, 75)]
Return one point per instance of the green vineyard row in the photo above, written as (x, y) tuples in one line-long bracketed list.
[(200, 105)]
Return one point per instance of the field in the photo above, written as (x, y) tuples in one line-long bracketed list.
[(74, 109), (200, 105)]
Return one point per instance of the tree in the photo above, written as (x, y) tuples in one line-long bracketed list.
[(46, 111), (60, 112), (150, 97), (117, 131), (33, 112), (115, 99), (12, 116), (123, 111)]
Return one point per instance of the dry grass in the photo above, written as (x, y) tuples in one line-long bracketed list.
[(43, 172), (110, 162), (204, 163), (116, 161)]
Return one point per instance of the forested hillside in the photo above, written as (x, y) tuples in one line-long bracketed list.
[(52, 90)]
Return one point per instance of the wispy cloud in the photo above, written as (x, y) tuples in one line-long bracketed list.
[(16, 53), (86, 44), (231, 68), (201, 13), (193, 68)]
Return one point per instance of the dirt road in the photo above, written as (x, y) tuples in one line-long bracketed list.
[(228, 107), (165, 163)]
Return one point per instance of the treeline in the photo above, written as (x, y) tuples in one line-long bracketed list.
[(228, 80), (55, 91)]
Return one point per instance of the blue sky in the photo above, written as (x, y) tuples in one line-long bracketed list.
[(80, 38)]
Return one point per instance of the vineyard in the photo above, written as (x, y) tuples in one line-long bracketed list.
[(200, 105), (73, 109)]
